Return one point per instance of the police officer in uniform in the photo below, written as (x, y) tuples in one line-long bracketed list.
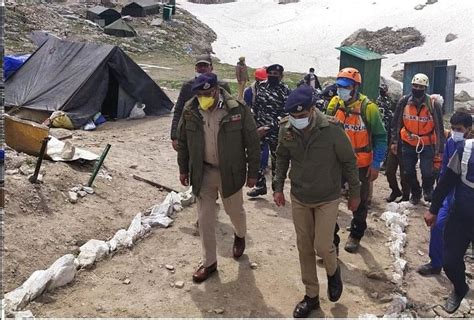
[(269, 110), (319, 154), (218, 151)]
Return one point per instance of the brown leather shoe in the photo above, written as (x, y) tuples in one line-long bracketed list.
[(239, 246), (202, 273)]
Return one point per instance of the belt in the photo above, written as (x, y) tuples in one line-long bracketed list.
[(212, 166)]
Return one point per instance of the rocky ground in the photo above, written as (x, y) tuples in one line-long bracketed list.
[(41, 223), (183, 36), (386, 40)]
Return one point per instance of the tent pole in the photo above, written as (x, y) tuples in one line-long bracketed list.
[(98, 164), (34, 177)]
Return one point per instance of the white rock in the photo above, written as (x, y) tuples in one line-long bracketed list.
[(169, 267), (179, 284), (27, 314), (93, 250), (62, 271), (72, 197), (253, 265), (89, 190), (120, 240), (82, 194), (28, 291)]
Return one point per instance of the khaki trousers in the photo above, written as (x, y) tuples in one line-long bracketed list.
[(314, 226), (206, 206), (242, 85)]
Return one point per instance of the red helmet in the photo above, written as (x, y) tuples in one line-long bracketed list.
[(260, 74), (350, 73)]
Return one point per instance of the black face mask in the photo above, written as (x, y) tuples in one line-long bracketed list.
[(417, 93), (273, 80)]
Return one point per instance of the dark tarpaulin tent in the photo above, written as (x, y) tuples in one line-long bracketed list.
[(141, 8), (120, 28), (82, 79), (102, 16)]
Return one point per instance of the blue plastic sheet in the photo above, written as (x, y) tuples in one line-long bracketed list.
[(12, 63)]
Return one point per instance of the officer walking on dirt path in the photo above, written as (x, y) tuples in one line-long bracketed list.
[(218, 151), (317, 151)]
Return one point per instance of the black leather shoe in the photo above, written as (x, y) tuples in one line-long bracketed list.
[(428, 195), (257, 191), (414, 200), (453, 302), (305, 306), (393, 196), (239, 246), (428, 270), (405, 197), (335, 285)]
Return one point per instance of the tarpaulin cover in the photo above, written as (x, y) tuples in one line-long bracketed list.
[(12, 63), (80, 79)]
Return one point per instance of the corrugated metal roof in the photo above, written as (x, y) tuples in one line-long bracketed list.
[(362, 53)]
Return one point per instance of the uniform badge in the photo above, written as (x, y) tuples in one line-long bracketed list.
[(289, 136), (235, 117), (206, 86), (299, 108)]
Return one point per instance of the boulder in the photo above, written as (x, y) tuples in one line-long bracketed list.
[(450, 37)]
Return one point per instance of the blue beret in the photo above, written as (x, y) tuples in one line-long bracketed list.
[(345, 82), (205, 81), (276, 67), (299, 99)]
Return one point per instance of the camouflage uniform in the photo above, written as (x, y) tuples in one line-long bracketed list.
[(269, 110), (386, 111)]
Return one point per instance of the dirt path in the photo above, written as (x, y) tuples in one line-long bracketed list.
[(42, 226)]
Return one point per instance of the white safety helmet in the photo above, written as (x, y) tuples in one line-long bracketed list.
[(420, 79)]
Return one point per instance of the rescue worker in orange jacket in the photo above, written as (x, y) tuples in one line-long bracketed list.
[(363, 125), (418, 124)]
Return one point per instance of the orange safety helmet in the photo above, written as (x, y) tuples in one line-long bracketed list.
[(350, 73), (260, 74)]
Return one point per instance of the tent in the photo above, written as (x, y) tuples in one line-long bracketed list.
[(82, 79), (102, 16), (120, 28), (141, 8)]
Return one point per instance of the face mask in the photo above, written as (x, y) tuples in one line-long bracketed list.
[(457, 136), (273, 80), (299, 123), (417, 93), (344, 94), (205, 102)]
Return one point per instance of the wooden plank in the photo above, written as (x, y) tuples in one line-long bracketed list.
[(24, 136), (155, 184)]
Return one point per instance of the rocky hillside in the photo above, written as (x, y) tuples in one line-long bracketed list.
[(184, 35)]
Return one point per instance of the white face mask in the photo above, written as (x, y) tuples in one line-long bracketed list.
[(299, 123), (457, 136), (344, 94), (197, 74)]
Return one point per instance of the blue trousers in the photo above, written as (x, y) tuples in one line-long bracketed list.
[(436, 238)]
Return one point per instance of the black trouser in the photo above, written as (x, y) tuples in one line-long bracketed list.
[(359, 217), (261, 180), (393, 162), (458, 234), (410, 159)]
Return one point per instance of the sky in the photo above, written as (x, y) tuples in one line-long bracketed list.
[(305, 34)]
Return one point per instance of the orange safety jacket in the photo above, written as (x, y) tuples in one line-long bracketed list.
[(418, 125), (354, 122)]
